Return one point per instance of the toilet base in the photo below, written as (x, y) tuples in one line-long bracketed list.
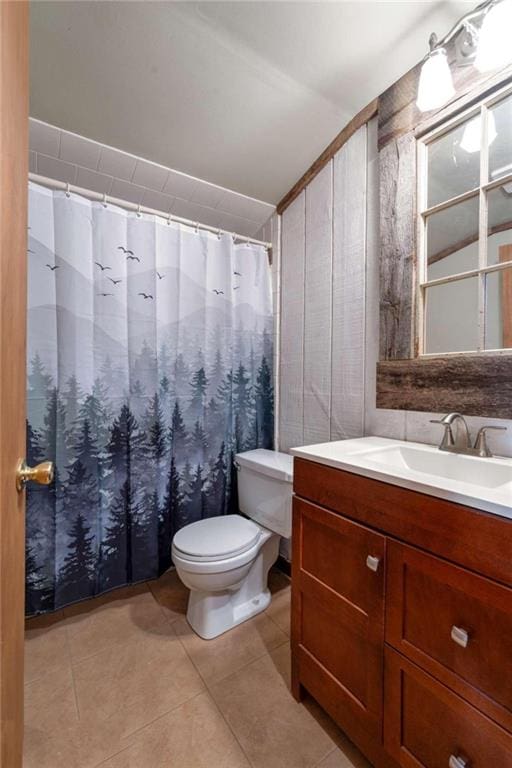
[(210, 614)]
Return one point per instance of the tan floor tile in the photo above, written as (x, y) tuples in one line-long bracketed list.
[(46, 645), (55, 737), (279, 609), (192, 736), (220, 657), (273, 729), (50, 700), (350, 757), (73, 745), (96, 625), (131, 684), (171, 594)]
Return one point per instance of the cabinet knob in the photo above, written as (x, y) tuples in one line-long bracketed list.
[(373, 562), (461, 637), (457, 762)]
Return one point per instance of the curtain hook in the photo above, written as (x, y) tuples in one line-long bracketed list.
[(169, 219), (197, 227), (68, 193), (233, 237), (247, 242), (104, 200), (138, 211), (219, 234)]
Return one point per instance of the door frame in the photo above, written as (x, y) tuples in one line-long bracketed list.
[(14, 89)]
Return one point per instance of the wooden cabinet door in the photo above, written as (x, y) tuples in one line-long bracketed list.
[(428, 726), (338, 615), (13, 292)]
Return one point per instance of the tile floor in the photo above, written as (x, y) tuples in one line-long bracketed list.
[(122, 682)]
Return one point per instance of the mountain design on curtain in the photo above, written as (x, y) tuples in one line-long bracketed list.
[(149, 366)]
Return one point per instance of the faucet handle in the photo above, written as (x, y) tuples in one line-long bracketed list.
[(481, 446), (448, 440)]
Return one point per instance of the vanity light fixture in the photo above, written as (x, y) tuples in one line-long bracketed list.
[(494, 40), (436, 84), (481, 38)]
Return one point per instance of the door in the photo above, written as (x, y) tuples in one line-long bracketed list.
[(13, 290)]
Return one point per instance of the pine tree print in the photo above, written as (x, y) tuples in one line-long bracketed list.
[(264, 406), (78, 573), (143, 427)]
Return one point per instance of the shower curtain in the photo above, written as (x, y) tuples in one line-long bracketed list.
[(149, 366)]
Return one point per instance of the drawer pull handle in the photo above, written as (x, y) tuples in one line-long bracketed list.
[(461, 637), (457, 762), (373, 562)]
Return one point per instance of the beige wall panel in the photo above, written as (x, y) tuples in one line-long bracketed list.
[(291, 369), (349, 280), (318, 308)]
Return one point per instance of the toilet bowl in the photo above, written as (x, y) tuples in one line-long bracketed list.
[(225, 560)]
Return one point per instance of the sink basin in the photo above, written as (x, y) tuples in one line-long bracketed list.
[(450, 466), (482, 483)]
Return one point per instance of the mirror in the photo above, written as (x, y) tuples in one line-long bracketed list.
[(451, 317), (466, 243), (452, 170)]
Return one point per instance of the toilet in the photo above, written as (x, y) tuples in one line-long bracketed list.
[(225, 560)]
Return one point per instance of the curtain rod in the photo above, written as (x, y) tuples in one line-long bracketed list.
[(97, 196)]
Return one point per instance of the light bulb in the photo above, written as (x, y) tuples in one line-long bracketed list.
[(494, 42), (436, 86), (471, 138)]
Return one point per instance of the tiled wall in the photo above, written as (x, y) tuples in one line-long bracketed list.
[(77, 160)]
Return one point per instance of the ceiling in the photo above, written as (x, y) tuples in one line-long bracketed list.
[(242, 94)]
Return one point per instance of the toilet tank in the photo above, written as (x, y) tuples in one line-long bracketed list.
[(265, 488)]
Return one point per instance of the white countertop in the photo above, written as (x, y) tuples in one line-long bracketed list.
[(374, 457)]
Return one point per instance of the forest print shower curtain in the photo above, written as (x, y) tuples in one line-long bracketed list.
[(149, 365)]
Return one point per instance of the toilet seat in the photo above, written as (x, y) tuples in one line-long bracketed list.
[(216, 539)]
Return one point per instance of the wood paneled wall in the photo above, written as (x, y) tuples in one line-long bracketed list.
[(323, 277)]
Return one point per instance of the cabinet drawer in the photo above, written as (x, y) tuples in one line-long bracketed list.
[(428, 726), (456, 625), (343, 555)]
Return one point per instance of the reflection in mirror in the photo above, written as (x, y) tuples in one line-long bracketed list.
[(500, 152), (499, 226), (452, 240), (451, 317), (498, 305), (453, 165)]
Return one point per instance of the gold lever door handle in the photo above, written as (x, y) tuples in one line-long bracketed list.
[(42, 474)]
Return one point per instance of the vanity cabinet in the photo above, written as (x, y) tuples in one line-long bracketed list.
[(402, 620)]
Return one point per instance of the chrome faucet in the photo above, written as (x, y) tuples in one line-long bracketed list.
[(461, 441)]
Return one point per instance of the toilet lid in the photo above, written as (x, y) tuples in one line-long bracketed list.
[(217, 537)]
